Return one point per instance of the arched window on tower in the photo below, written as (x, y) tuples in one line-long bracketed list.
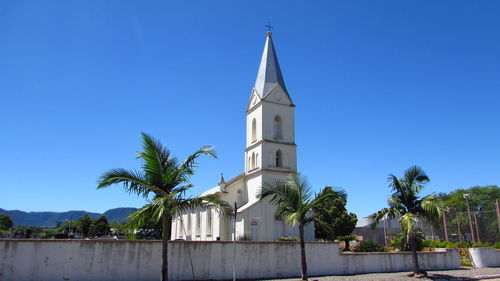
[(253, 161), (279, 161), (254, 130), (277, 127), (253, 229)]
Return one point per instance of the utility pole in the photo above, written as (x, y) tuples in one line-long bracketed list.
[(459, 234), (466, 196), (234, 242), (477, 229), (498, 215), (445, 226)]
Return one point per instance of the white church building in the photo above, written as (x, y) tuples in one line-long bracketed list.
[(270, 153)]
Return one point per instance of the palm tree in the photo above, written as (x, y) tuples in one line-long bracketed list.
[(294, 202), (406, 205), (168, 180)]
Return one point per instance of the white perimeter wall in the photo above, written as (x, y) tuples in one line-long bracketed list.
[(80, 260), (484, 257)]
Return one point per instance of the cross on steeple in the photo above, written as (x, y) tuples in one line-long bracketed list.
[(269, 26)]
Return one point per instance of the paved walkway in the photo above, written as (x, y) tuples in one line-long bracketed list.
[(464, 274)]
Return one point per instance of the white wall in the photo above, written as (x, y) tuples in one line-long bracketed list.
[(83, 260), (484, 257)]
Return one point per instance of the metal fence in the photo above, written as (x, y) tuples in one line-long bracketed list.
[(459, 226), (454, 225)]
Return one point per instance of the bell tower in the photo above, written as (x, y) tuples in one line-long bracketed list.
[(270, 143)]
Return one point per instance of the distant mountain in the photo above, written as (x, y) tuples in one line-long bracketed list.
[(51, 219), (118, 214)]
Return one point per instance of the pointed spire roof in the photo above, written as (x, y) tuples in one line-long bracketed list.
[(222, 178), (269, 74)]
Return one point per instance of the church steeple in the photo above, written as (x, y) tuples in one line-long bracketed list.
[(271, 145), (269, 75)]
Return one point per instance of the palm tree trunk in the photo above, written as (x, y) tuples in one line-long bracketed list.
[(414, 257), (165, 236), (303, 252)]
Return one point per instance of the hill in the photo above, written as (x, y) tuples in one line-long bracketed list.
[(51, 219)]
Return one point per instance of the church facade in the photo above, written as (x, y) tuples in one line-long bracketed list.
[(270, 152)]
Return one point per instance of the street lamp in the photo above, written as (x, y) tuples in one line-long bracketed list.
[(234, 240), (466, 197)]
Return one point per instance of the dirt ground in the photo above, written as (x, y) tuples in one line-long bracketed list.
[(460, 274)]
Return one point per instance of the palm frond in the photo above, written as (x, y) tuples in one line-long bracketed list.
[(375, 218), (180, 191), (280, 193), (432, 208), (141, 216), (212, 200), (157, 161), (216, 202), (186, 169), (416, 177), (395, 184), (408, 222), (293, 218), (304, 189), (133, 182), (291, 196), (394, 202)]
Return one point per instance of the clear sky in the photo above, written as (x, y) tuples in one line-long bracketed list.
[(379, 86)]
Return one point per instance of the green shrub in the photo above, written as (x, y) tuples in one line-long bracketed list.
[(446, 244), (479, 244), (395, 242), (442, 244), (370, 246), (427, 243), (287, 239), (463, 245), (401, 243)]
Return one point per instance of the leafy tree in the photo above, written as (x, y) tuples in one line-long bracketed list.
[(482, 202), (5, 222), (99, 227), (294, 202), (83, 225), (67, 227), (118, 228), (24, 231), (405, 204), (347, 240), (149, 228), (370, 246), (331, 210), (168, 180)]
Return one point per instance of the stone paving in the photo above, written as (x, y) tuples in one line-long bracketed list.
[(464, 274)]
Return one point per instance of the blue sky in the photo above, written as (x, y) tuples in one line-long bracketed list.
[(379, 86)]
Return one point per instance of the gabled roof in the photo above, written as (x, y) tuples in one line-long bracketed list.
[(269, 74), (216, 189)]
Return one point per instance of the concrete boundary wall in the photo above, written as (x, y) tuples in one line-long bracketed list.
[(82, 260), (484, 257)]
